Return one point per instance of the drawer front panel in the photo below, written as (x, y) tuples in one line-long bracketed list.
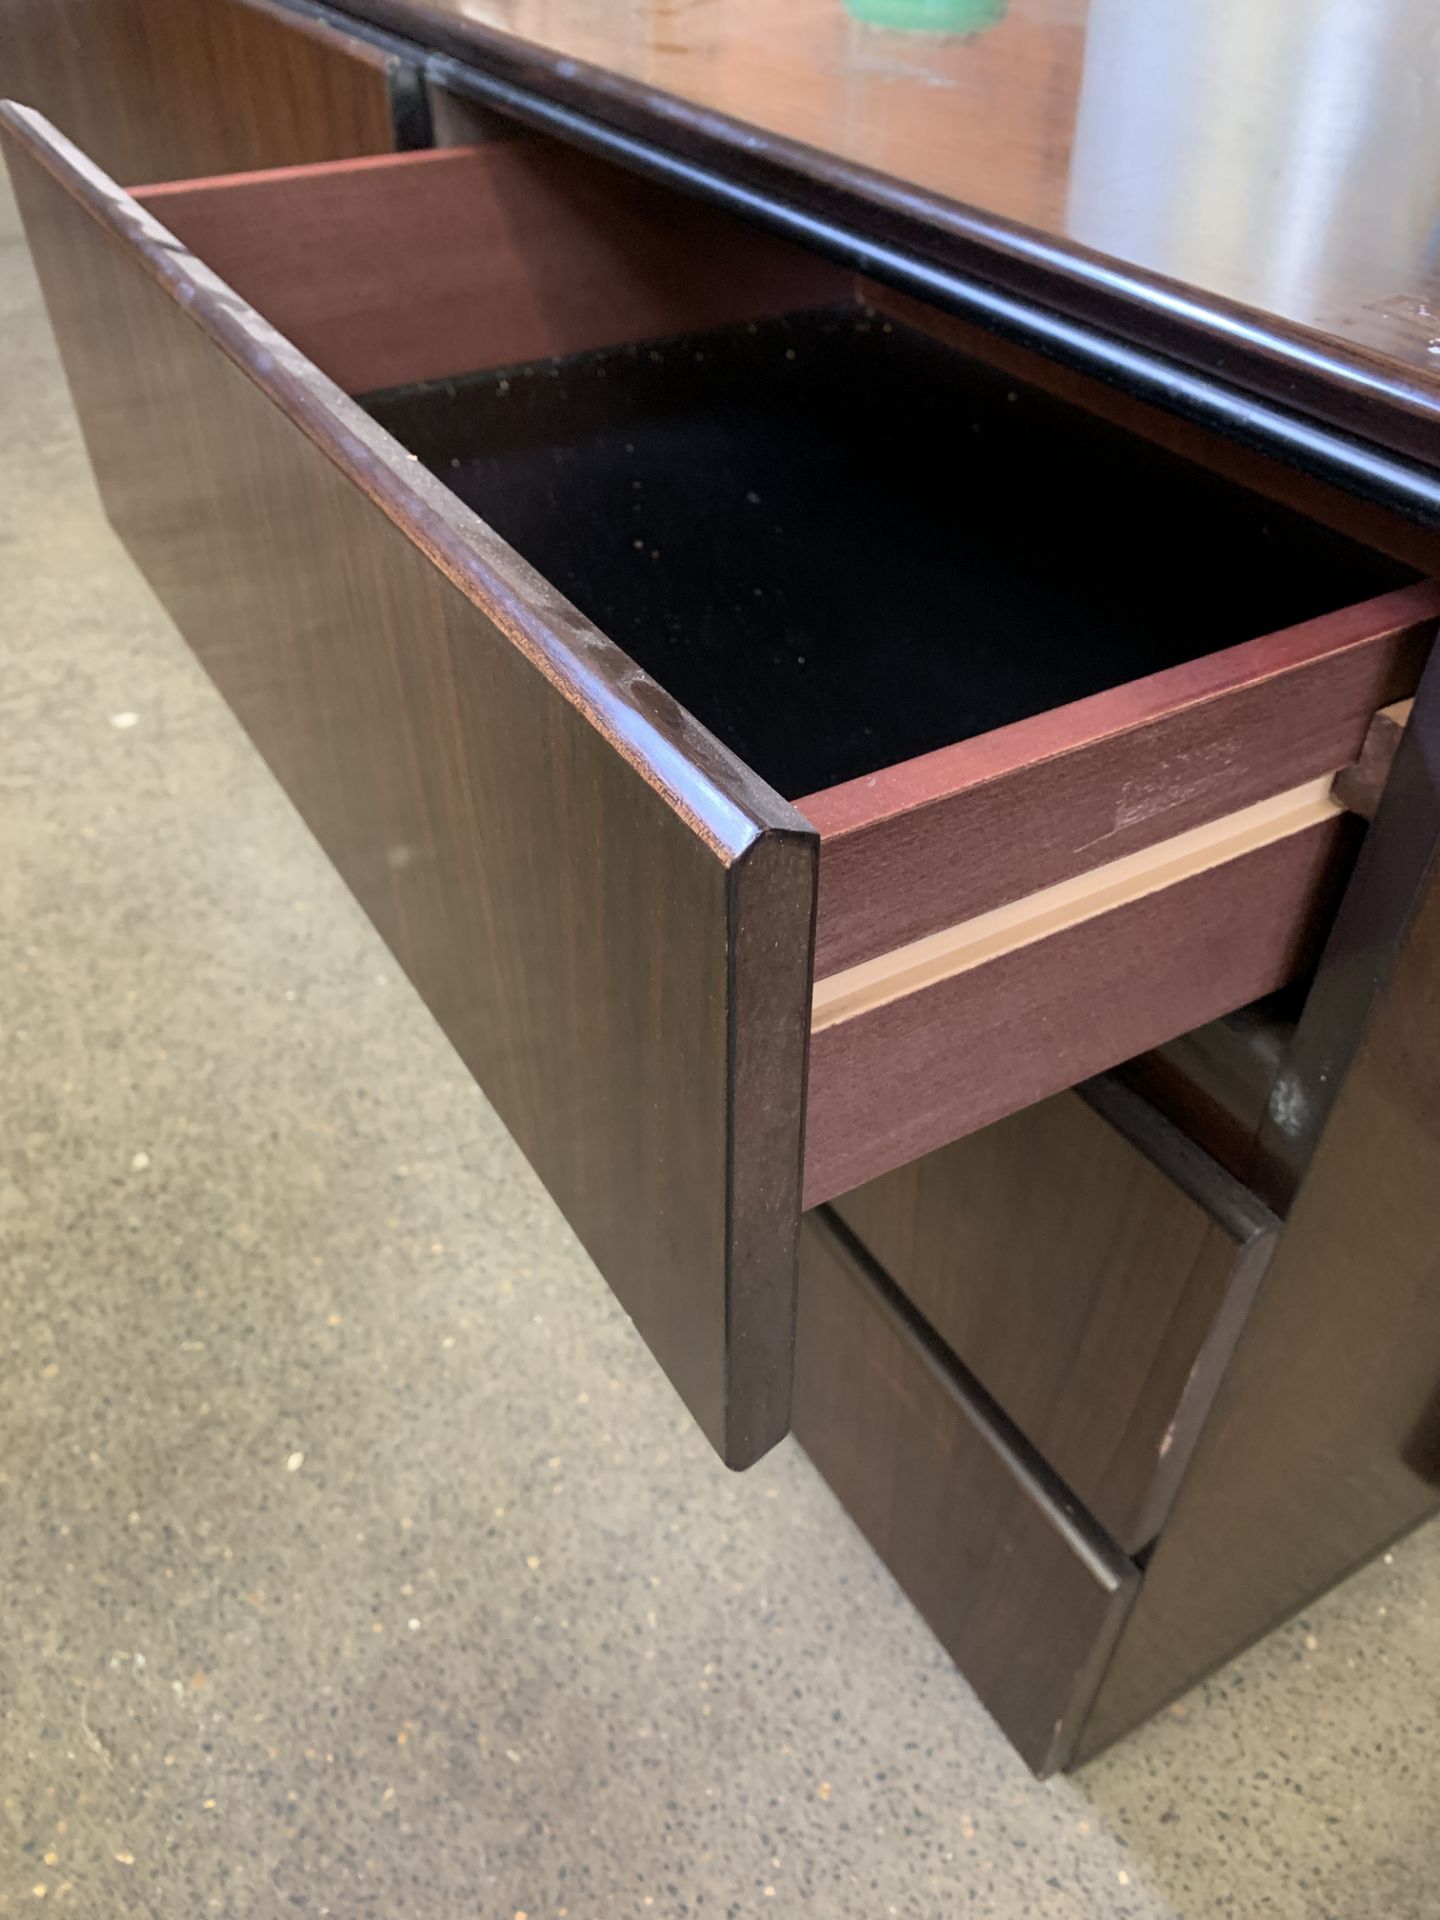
[(1018, 1583), (609, 916), (1092, 1269)]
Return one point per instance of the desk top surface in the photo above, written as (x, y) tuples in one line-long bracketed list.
[(1269, 168)]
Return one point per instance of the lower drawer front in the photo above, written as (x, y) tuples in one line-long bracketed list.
[(1091, 1267), (1019, 1584)]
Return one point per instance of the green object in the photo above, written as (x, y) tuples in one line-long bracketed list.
[(928, 16)]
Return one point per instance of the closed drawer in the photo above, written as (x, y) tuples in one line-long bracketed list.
[(1091, 1267), (1020, 1586), (649, 643)]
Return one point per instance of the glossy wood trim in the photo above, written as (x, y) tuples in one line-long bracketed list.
[(697, 776), (1022, 1588), (929, 842), (1314, 402), (912, 1072), (609, 915), (420, 266)]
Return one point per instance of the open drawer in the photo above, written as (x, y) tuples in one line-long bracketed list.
[(650, 633)]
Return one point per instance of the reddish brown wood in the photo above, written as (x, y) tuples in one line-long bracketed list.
[(1091, 1268), (905, 1078), (1360, 787), (157, 91), (417, 266), (936, 840), (607, 913), (1021, 1587)]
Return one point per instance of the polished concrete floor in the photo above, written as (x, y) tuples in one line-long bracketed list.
[(356, 1560)]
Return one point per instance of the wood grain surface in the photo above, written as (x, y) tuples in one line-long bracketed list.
[(937, 839), (608, 915), (1324, 1442), (420, 266), (1020, 1586), (912, 1073), (1091, 1268), (158, 91)]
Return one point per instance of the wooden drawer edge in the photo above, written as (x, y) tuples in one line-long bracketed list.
[(986, 1591), (927, 843), (1053, 911), (1201, 1177), (919, 1049)]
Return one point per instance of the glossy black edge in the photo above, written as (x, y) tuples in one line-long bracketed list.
[(764, 1155), (410, 114), (1082, 1533), (1241, 1214), (1364, 470), (1221, 340)]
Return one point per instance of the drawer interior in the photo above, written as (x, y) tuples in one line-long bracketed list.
[(840, 543)]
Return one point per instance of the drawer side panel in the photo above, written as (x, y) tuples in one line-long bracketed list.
[(910, 1075)]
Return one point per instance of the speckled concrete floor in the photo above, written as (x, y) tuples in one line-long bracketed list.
[(356, 1559)]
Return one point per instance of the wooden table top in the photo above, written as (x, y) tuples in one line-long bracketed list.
[(1239, 178)]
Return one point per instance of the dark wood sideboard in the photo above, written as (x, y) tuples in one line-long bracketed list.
[(882, 703)]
